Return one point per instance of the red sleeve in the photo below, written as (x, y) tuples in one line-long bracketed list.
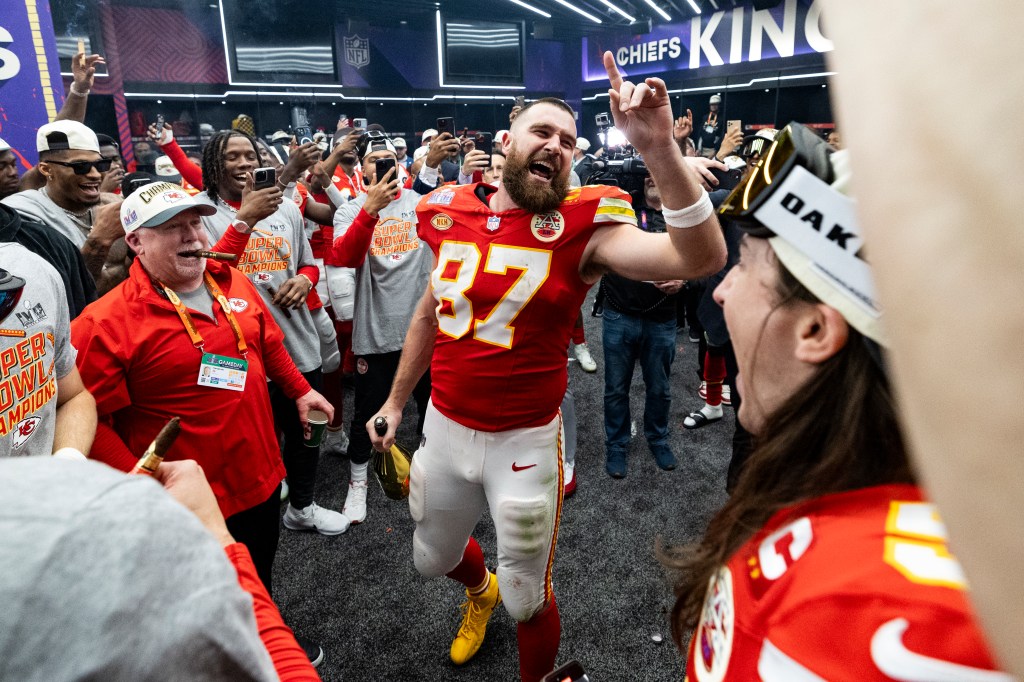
[(349, 251), (192, 173), (108, 448), (290, 661), (279, 365), (311, 271), (233, 241)]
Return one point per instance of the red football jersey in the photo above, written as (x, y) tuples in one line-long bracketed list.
[(853, 586), (509, 291)]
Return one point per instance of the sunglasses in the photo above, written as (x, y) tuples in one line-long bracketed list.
[(794, 145), (84, 167)]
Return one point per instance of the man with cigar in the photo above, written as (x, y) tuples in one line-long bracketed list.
[(277, 259), (143, 349), (513, 266)]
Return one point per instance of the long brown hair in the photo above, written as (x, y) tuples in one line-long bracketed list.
[(838, 432)]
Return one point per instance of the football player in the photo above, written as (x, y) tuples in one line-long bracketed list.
[(513, 265), (827, 562)]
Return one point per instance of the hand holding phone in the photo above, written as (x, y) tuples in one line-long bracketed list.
[(382, 166), (263, 178), (485, 143)]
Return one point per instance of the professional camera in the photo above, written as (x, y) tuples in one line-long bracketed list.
[(620, 166)]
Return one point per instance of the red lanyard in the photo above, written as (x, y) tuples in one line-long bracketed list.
[(190, 326)]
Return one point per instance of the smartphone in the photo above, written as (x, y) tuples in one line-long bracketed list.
[(570, 672), (485, 143), (263, 178), (729, 125), (303, 134), (382, 168), (133, 181), (359, 123), (160, 124), (446, 125), (521, 101)]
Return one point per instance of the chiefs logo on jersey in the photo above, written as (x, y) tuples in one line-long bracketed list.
[(442, 221), (547, 227), (24, 430)]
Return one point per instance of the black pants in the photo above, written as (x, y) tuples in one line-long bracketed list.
[(259, 529), (371, 391), (300, 462)]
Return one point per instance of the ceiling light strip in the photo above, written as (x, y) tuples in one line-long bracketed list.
[(618, 11), (694, 5), (663, 13), (320, 95), (531, 8), (751, 82), (576, 9)]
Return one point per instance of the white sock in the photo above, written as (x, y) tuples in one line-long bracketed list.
[(359, 470), (711, 411)]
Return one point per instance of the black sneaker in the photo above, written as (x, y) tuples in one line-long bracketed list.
[(313, 651)]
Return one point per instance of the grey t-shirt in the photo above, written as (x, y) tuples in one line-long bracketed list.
[(35, 351), (35, 205), (277, 249), (391, 280), (105, 577)]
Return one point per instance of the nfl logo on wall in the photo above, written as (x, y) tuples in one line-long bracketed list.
[(357, 51)]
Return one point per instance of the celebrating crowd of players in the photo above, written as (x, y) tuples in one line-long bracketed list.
[(446, 287)]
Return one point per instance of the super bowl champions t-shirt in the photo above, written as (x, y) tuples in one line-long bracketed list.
[(35, 351)]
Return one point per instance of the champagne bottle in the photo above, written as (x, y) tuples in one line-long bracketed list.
[(392, 466)]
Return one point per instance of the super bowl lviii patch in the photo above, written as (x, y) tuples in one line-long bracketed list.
[(547, 227), (441, 197)]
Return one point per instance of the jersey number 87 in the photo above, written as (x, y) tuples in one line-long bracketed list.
[(458, 264)]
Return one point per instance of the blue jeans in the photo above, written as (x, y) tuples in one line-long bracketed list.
[(628, 339)]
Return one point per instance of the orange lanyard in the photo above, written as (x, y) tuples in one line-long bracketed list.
[(190, 326)]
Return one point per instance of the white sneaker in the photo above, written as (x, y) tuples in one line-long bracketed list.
[(355, 502), (315, 517), (284, 490), (335, 442), (586, 360)]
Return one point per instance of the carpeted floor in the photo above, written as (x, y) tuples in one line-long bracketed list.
[(359, 596)]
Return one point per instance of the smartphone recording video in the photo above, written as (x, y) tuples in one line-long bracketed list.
[(262, 178)]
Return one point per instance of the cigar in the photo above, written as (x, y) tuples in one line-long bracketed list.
[(154, 455), (81, 48), (273, 292), (212, 255)]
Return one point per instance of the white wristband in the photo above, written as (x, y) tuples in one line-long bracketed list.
[(69, 453), (691, 216), (76, 92)]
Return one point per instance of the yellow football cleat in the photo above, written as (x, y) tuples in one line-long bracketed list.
[(476, 611)]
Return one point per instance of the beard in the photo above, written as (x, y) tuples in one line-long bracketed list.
[(527, 194)]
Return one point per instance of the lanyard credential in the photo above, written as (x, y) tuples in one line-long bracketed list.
[(190, 325)]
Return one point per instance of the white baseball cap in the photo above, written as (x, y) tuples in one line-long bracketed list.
[(3, 145), (716, 99), (156, 203), (165, 169), (399, 142), (582, 143), (61, 135), (428, 134)]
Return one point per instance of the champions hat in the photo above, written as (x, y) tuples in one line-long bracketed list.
[(165, 170), (399, 143), (156, 203), (583, 144), (797, 198), (379, 144), (61, 135), (428, 135)]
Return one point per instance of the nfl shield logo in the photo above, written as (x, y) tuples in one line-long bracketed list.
[(357, 51)]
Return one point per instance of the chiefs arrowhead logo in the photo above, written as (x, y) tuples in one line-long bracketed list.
[(442, 221), (24, 430), (238, 304), (547, 227)]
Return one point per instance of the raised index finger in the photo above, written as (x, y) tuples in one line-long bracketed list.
[(614, 77)]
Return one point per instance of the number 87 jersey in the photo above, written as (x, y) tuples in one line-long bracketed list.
[(509, 291)]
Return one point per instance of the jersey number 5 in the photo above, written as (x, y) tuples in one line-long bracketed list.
[(458, 264)]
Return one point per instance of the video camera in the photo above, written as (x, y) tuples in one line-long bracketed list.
[(620, 166)]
